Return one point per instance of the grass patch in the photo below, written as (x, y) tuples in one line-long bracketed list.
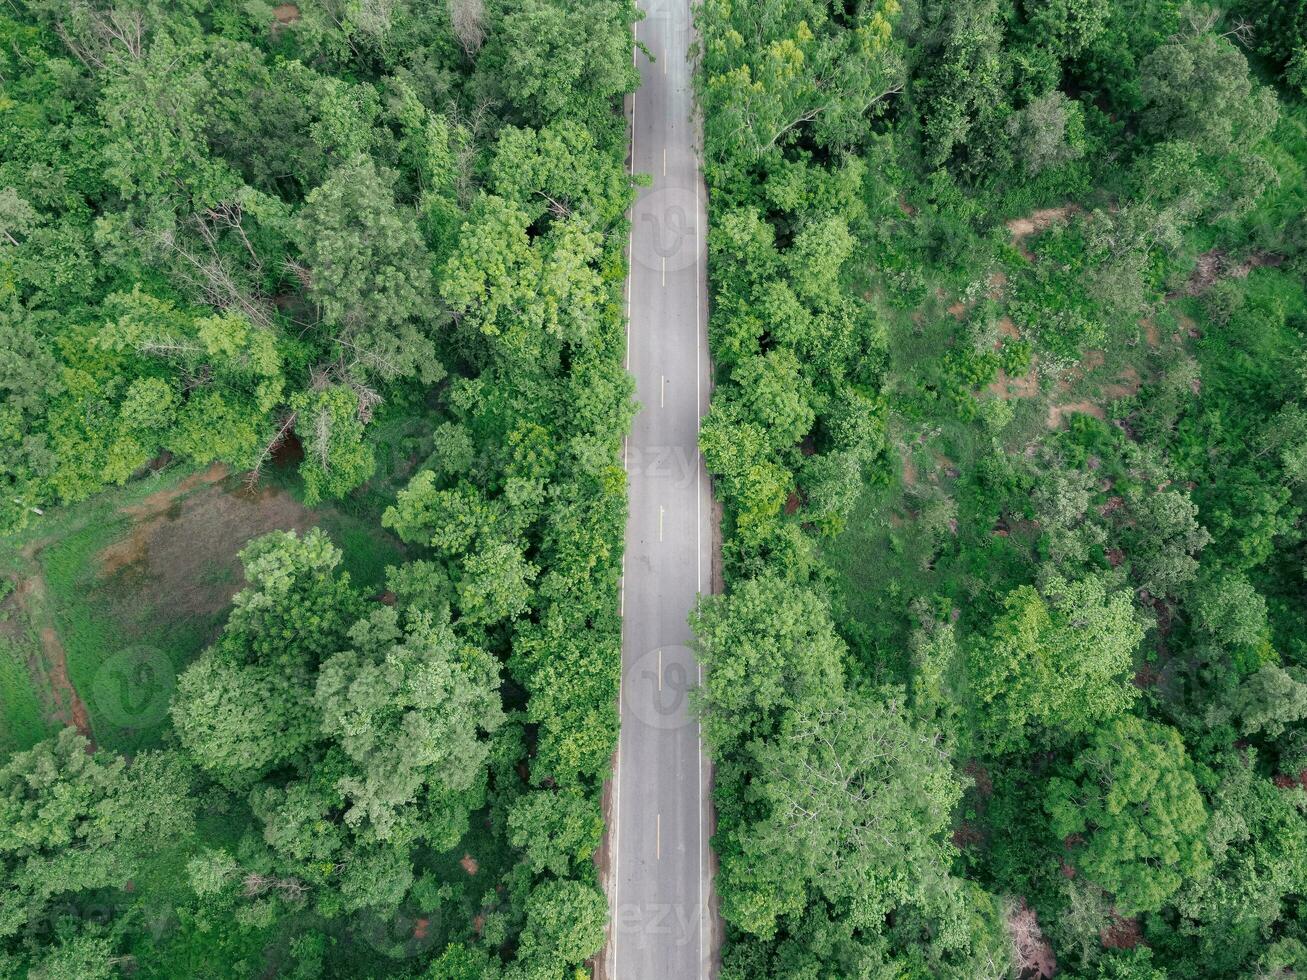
[(23, 722)]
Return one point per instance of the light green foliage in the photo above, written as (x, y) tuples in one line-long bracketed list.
[(1258, 841), (296, 606), (370, 272), (528, 298), (1054, 665), (76, 822), (1230, 610), (775, 66), (855, 800), (559, 169), (564, 923), (816, 257), (246, 705), (495, 584), (1271, 700), (550, 59), (765, 649), (1164, 540), (336, 457), (1062, 506), (774, 394), (556, 830), (1131, 795), (1198, 89), (240, 721), (1047, 133), (411, 708), (961, 94)]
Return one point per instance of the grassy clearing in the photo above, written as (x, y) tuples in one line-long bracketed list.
[(132, 585)]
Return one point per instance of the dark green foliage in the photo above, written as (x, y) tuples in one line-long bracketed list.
[(1052, 489)]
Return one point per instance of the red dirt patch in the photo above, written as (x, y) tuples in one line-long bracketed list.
[(1151, 334), (158, 503), (62, 703), (71, 709), (1056, 413), (1005, 386), (1023, 228), (1127, 384), (1121, 933)]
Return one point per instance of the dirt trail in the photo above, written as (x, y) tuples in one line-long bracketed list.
[(65, 704)]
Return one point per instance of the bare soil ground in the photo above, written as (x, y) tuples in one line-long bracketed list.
[(178, 555), (1037, 221), (185, 541)]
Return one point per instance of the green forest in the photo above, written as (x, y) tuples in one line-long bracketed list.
[(366, 259), (312, 408), (1010, 331)]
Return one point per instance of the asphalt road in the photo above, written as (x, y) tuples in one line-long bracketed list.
[(659, 884)]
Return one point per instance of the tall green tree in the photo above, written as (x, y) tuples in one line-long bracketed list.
[(853, 798), (1130, 810), (1054, 666)]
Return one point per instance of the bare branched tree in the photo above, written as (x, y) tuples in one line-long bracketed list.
[(1032, 956), (1241, 32), (208, 271), (1199, 18), (322, 439), (93, 34), (252, 477), (468, 18)]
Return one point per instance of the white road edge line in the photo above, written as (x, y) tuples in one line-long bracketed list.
[(698, 543), (621, 611)]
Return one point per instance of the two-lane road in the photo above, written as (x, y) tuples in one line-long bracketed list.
[(660, 886)]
